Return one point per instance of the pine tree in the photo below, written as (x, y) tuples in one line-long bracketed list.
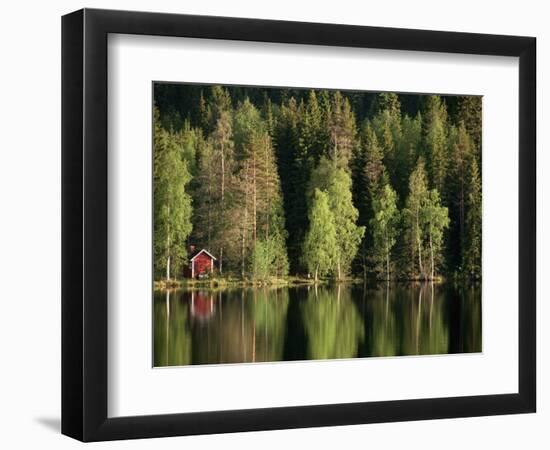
[(261, 207), (342, 129), (223, 150)]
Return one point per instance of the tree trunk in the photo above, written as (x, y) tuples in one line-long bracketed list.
[(461, 205), (316, 273), (268, 188), (209, 210), (419, 244), (387, 258), (168, 249), (222, 212), (254, 202), (245, 219), (432, 256)]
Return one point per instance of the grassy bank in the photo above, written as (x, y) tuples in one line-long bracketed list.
[(221, 283)]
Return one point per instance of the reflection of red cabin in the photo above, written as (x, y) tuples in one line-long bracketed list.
[(202, 305), (201, 263)]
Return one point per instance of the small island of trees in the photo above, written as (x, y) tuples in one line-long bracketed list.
[(284, 184)]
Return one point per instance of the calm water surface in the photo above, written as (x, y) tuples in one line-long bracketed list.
[(304, 323)]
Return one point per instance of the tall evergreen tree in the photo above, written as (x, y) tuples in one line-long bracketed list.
[(294, 166), (261, 207), (456, 193), (470, 113), (472, 252), (435, 141), (342, 129), (370, 177), (222, 141)]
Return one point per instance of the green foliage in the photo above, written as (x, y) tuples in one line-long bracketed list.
[(435, 219), (253, 158), (264, 260), (472, 252), (384, 226), (342, 131), (172, 204), (336, 183), (320, 247), (412, 215), (436, 140)]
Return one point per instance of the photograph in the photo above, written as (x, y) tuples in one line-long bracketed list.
[(314, 224)]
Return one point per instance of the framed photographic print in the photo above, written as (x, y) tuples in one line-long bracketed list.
[(274, 224)]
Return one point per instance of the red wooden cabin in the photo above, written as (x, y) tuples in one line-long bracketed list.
[(201, 263)]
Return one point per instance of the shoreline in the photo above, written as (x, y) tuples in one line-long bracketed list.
[(234, 283)]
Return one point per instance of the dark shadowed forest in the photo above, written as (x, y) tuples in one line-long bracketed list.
[(317, 184)]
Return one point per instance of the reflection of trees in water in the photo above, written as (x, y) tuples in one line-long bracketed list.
[(249, 326), (172, 338), (471, 318), (332, 323), (384, 333), (426, 331), (339, 321), (406, 320)]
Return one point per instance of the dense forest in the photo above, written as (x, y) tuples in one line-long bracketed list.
[(317, 183)]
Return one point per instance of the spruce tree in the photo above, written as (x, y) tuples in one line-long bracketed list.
[(472, 252), (435, 141)]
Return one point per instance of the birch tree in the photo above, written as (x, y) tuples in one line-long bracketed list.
[(172, 204), (435, 219), (320, 246), (418, 193), (384, 226)]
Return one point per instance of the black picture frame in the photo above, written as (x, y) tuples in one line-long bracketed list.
[(84, 224)]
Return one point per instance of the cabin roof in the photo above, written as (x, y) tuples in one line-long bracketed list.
[(203, 251)]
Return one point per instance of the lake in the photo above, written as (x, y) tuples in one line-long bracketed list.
[(307, 322)]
